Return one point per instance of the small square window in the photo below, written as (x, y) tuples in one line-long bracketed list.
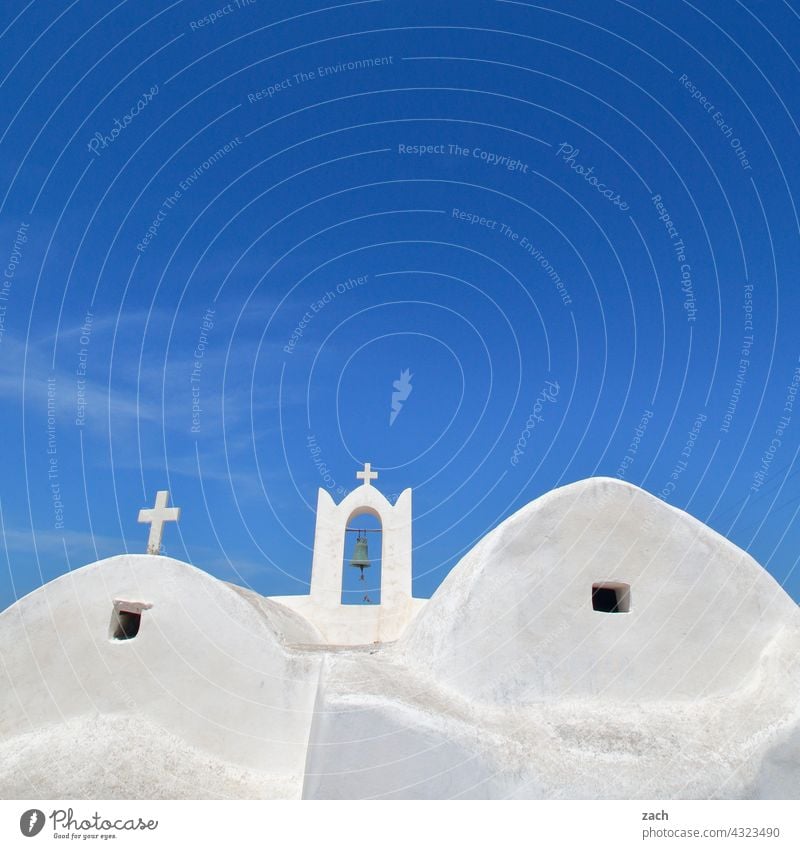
[(126, 619), (611, 597), (128, 624)]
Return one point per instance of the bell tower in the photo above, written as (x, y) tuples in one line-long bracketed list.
[(329, 540), (359, 624)]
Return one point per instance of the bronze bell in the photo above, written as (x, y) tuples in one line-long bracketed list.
[(361, 555)]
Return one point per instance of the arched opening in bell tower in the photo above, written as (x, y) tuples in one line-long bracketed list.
[(363, 554)]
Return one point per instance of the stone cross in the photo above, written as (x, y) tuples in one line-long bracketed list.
[(156, 516), (367, 475)]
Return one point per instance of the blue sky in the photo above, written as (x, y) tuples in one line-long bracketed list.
[(574, 226)]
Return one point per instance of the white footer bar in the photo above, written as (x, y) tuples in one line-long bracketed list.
[(406, 824)]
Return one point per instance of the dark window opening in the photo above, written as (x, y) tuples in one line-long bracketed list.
[(125, 624), (611, 598)]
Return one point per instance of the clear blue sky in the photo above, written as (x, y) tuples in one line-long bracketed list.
[(564, 222)]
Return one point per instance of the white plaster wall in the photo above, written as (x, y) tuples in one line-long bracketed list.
[(513, 622), (357, 624), (354, 624), (328, 560), (208, 667), (125, 756), (383, 731), (506, 684)]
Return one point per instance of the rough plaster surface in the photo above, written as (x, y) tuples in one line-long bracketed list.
[(120, 756), (513, 622), (209, 669), (505, 684)]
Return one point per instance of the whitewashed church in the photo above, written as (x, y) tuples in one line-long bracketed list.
[(597, 644)]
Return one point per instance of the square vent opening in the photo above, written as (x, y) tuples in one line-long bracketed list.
[(126, 619), (611, 597)]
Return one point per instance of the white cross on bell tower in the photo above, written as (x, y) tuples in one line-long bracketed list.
[(156, 516), (367, 475)]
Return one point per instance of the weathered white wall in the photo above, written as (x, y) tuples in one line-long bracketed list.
[(355, 624), (506, 684), (513, 622), (207, 668), (383, 731), (363, 623)]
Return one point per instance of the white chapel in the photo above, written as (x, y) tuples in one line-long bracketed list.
[(598, 643)]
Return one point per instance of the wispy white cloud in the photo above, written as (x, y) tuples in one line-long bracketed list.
[(50, 542), (123, 403)]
